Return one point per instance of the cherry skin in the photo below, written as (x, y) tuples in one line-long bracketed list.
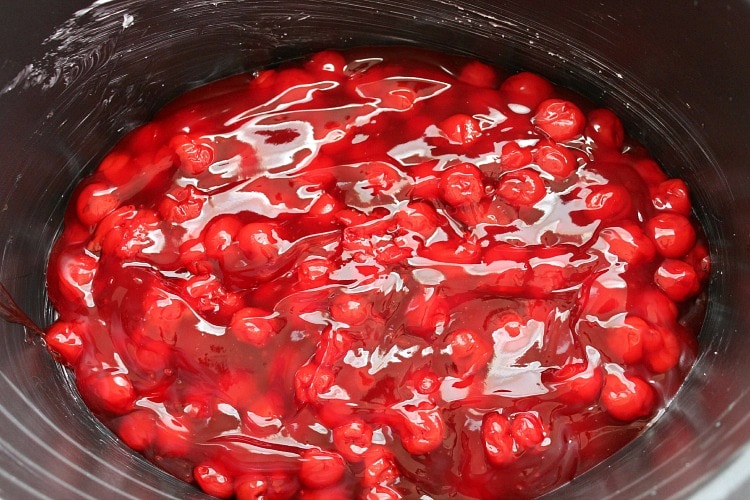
[(672, 195), (353, 439), (527, 429), (561, 120), (320, 469), (521, 188), (253, 326), (478, 74), (555, 159), (677, 279), (514, 157), (498, 440), (461, 129), (65, 340), (672, 233), (461, 185), (605, 129), (95, 202), (526, 89), (627, 398), (213, 481)]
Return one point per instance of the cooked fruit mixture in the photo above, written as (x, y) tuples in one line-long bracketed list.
[(378, 274)]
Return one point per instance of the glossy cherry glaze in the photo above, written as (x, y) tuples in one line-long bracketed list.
[(384, 273)]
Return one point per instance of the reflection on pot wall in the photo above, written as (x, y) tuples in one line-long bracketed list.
[(107, 67)]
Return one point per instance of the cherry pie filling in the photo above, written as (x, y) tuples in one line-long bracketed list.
[(378, 274)]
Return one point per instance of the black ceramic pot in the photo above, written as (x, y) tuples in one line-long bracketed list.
[(75, 77)]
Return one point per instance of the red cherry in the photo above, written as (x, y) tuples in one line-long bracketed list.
[(426, 381), (64, 338), (605, 129), (527, 429), (281, 485), (320, 469), (521, 188), (220, 233), (629, 243), (422, 431), (497, 439), (381, 492), (461, 184), (672, 195), (561, 120), (162, 313), (182, 204), (251, 488), (426, 312), (76, 271), (625, 342), (351, 309), (672, 233), (379, 177), (353, 439), (650, 171), (380, 467), (263, 415), (195, 153), (172, 438), (555, 159), (314, 271), (110, 392), (151, 366), (260, 241), (210, 296), (526, 89), (117, 167), (137, 429), (627, 397), (514, 157), (576, 384), (468, 351), (607, 202), (604, 297), (325, 208), (661, 349), (213, 480), (312, 380), (456, 251), (253, 326), (327, 61), (654, 306), (128, 232), (95, 202), (461, 129), (478, 74), (146, 137), (677, 279), (419, 217)]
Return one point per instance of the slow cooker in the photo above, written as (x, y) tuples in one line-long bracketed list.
[(75, 76)]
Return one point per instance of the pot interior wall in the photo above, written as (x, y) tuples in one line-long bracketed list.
[(677, 74)]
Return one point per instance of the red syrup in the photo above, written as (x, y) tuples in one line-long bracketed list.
[(384, 273)]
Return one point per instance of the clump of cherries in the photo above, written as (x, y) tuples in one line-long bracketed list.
[(378, 274)]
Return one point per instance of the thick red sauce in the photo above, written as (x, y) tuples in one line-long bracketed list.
[(378, 274)]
